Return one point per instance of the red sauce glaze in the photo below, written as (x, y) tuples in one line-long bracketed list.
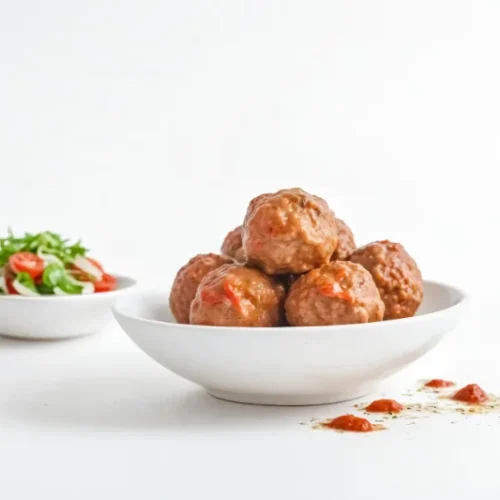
[(350, 423), (211, 297), (232, 295), (385, 406), (471, 393), (437, 383), (335, 291)]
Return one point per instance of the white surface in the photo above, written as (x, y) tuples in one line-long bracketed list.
[(144, 127), (59, 317), (289, 365)]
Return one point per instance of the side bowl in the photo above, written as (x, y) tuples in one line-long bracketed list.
[(58, 317), (289, 365)]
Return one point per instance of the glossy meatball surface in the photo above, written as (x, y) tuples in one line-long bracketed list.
[(232, 246), (235, 295), (187, 281), (289, 232), (346, 244), (337, 293), (396, 275)]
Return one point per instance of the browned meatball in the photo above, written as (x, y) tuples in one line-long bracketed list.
[(396, 275), (346, 244), (289, 232), (187, 280), (232, 246), (234, 295), (338, 293)]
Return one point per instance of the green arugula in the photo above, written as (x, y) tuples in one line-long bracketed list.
[(47, 242)]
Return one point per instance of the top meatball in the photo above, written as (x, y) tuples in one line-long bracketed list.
[(396, 275), (232, 245), (338, 293), (290, 231), (346, 244), (234, 295), (187, 280)]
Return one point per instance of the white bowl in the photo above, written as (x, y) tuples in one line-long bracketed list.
[(289, 365), (57, 317)]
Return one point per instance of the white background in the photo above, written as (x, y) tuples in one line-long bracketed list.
[(145, 127)]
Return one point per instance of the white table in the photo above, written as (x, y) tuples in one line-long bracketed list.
[(96, 418)]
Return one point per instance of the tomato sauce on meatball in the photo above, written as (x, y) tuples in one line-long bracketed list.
[(337, 293), (187, 281), (289, 232), (235, 295), (396, 275)]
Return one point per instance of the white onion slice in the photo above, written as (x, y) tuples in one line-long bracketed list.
[(24, 290), (88, 268), (58, 291), (3, 286), (49, 258)]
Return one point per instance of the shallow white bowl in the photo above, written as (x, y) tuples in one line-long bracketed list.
[(57, 317), (289, 366)]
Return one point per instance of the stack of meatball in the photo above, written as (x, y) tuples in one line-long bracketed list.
[(293, 263)]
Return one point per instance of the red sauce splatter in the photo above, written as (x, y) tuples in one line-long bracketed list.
[(471, 393), (438, 383), (335, 291), (385, 406), (211, 297), (349, 423), (232, 295)]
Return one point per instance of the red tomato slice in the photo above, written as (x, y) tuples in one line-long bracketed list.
[(106, 284), (96, 263), (9, 277), (26, 262)]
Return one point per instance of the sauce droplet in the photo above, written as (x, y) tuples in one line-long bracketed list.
[(349, 423), (438, 383), (385, 406), (471, 393)]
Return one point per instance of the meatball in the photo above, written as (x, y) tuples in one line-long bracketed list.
[(187, 280), (338, 293), (235, 295), (396, 275), (232, 245), (346, 244), (289, 232)]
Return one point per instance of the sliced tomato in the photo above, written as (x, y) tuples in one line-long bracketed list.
[(9, 278), (96, 263), (106, 284), (27, 262)]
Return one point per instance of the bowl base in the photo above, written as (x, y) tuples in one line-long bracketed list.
[(48, 338), (288, 399)]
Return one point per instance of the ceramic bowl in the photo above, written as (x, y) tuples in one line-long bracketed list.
[(289, 365), (57, 317)]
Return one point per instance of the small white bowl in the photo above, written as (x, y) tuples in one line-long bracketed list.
[(57, 317), (289, 366)]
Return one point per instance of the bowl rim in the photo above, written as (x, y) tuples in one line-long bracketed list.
[(462, 301), (132, 283)]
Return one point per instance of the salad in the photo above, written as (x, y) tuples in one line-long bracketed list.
[(47, 264)]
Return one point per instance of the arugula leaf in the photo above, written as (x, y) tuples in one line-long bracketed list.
[(56, 276), (53, 274), (70, 288), (49, 242), (26, 280)]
